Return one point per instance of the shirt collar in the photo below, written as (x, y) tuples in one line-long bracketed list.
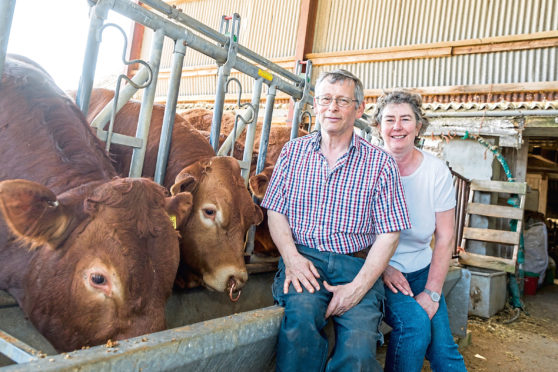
[(317, 139)]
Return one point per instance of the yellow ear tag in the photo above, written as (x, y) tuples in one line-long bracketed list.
[(173, 220)]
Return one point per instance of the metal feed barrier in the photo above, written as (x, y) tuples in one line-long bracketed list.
[(245, 340)]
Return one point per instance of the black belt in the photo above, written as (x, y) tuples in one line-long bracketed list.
[(361, 254)]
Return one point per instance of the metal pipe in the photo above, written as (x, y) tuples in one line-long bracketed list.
[(6, 15), (98, 16), (170, 111), (219, 54), (492, 113), (16, 350), (299, 105), (173, 12), (223, 77), (251, 131), (264, 139), (125, 95), (144, 121)]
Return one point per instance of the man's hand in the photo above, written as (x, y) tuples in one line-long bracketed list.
[(427, 304), (299, 270), (394, 280), (344, 298)]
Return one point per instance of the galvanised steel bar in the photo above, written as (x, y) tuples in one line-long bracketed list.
[(299, 105), (170, 111), (16, 350), (174, 13), (145, 17), (146, 109), (251, 131), (6, 15), (264, 140), (125, 94), (97, 18), (223, 77)]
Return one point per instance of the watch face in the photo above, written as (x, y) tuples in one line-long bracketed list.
[(435, 296)]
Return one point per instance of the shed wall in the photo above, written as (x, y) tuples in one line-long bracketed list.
[(447, 48)]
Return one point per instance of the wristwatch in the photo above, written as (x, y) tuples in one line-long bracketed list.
[(434, 296)]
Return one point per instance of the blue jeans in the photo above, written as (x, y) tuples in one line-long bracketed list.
[(302, 344), (415, 336)]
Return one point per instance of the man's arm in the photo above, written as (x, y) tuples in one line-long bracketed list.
[(348, 295), (298, 269)]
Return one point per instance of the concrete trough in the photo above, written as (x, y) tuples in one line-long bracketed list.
[(207, 332), (202, 335)]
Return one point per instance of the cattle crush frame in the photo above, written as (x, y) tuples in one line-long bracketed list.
[(202, 335)]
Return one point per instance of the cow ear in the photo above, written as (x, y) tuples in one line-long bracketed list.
[(32, 212), (258, 185), (257, 216), (184, 182), (179, 207)]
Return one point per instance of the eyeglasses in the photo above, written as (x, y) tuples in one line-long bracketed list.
[(339, 101)]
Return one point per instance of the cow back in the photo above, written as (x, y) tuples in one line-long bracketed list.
[(43, 135)]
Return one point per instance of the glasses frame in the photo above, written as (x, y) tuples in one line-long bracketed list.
[(336, 100)]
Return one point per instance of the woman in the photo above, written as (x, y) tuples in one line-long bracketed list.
[(415, 307)]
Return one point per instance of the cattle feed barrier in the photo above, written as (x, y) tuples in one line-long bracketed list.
[(245, 340)]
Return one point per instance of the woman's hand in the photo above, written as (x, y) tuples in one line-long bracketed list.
[(427, 304), (395, 281)]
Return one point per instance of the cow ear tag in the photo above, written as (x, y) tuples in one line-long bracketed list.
[(173, 221)]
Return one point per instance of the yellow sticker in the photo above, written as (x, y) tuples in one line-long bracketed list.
[(266, 75), (173, 220)]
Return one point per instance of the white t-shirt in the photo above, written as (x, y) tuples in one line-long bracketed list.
[(427, 191)]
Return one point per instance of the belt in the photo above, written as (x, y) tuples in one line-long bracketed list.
[(361, 254)]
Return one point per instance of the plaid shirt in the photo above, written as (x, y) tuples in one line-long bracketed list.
[(341, 209)]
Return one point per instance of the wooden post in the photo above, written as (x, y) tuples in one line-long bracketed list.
[(304, 38)]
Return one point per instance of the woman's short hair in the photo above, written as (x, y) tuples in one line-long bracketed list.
[(414, 100)]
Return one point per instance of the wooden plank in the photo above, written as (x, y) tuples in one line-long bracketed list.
[(505, 46), (500, 211), (487, 262), (499, 186), (491, 235)]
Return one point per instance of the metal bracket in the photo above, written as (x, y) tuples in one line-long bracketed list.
[(109, 133)]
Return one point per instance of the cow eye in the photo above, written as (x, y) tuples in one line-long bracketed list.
[(98, 279), (209, 212)]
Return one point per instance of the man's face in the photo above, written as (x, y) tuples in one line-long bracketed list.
[(334, 119)]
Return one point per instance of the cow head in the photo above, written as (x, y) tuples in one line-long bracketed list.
[(212, 243), (105, 257)]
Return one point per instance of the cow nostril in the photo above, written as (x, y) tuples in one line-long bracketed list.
[(232, 287)]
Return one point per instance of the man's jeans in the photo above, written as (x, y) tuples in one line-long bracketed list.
[(414, 336), (302, 344)]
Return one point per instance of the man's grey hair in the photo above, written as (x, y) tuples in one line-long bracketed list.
[(343, 75)]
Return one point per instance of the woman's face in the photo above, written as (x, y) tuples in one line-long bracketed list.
[(399, 127)]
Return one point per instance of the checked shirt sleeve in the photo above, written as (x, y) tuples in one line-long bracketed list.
[(390, 209), (274, 198)]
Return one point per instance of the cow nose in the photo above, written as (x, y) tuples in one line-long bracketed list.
[(234, 290)]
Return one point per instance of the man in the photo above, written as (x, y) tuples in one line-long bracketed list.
[(332, 195)]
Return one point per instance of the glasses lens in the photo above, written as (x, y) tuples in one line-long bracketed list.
[(324, 100)]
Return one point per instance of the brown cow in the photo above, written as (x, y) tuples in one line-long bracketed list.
[(88, 256), (212, 243), (278, 136)]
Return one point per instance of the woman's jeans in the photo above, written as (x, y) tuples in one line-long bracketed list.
[(415, 336), (302, 344)]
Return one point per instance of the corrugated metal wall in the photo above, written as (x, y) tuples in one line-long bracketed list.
[(266, 28), (269, 27), (364, 24)]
